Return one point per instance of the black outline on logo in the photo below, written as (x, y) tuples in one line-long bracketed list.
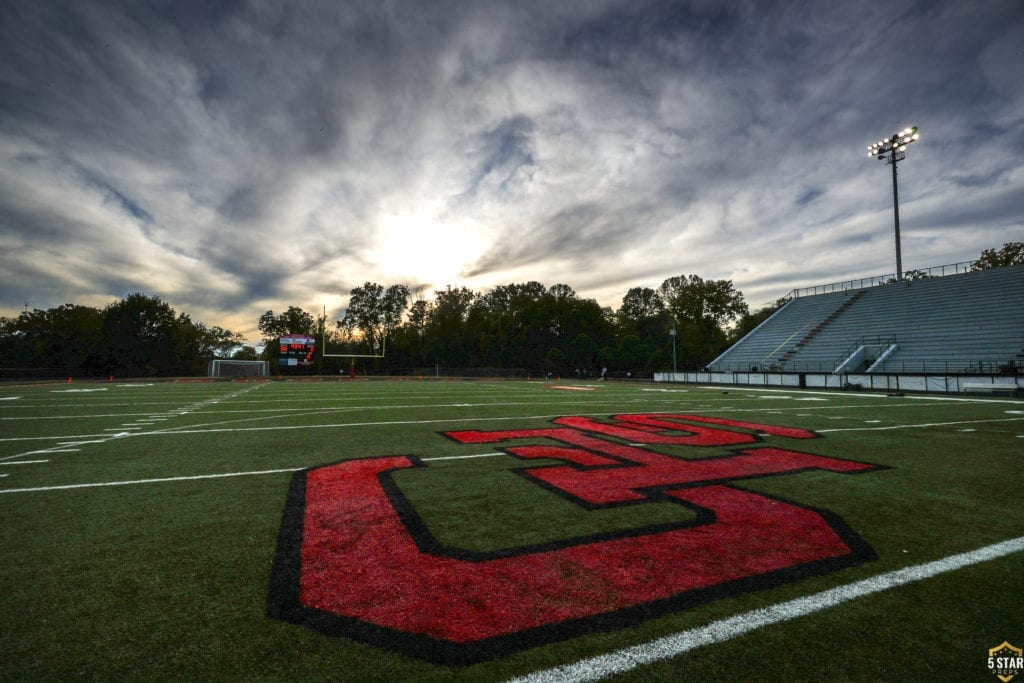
[(283, 594)]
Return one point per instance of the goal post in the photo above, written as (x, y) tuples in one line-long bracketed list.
[(325, 354), (238, 368)]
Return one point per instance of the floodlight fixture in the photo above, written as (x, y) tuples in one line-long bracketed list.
[(892, 151)]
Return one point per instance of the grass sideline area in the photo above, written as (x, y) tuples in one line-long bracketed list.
[(141, 528)]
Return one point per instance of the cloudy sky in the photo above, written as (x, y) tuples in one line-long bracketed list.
[(235, 157)]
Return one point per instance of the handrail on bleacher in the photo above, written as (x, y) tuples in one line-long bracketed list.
[(889, 278)]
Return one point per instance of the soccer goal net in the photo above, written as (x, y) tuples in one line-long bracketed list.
[(239, 368)]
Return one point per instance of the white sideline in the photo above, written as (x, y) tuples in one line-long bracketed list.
[(720, 631)]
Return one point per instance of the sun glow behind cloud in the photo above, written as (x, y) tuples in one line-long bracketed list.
[(425, 248)]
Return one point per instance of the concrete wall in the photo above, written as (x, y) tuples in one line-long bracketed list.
[(878, 382)]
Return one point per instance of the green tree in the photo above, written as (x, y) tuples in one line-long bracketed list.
[(701, 309), (374, 311), (640, 306), (142, 334), (567, 315), (195, 344), (630, 353), (583, 352), (415, 329), (245, 353), (446, 326), (1010, 254), (694, 299), (419, 315), (644, 316), (69, 337), (503, 319), (139, 335), (293, 321)]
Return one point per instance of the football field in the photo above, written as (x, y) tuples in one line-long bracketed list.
[(493, 530)]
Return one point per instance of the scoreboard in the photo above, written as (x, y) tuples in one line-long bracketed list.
[(296, 349)]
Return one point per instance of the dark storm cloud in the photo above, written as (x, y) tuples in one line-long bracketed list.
[(240, 156)]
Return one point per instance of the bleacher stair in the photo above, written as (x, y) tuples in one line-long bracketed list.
[(820, 327), (967, 323)]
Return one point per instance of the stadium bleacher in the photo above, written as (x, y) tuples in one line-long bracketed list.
[(965, 323)]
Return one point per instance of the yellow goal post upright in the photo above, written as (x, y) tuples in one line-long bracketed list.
[(352, 356)]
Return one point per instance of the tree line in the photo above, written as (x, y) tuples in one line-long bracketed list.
[(138, 336), (684, 323), (527, 326)]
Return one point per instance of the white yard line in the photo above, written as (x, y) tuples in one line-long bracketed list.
[(35, 418), (147, 481), (59, 448), (207, 429), (917, 426), (291, 412), (210, 429), (462, 457), (627, 659)]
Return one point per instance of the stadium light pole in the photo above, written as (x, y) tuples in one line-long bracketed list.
[(672, 332), (891, 151)]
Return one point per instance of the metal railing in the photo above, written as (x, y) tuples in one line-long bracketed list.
[(871, 340), (889, 278)]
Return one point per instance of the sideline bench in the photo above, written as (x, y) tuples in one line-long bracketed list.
[(988, 388)]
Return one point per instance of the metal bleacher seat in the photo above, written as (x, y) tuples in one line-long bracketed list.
[(958, 323)]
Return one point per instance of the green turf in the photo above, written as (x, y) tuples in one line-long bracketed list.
[(168, 579)]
